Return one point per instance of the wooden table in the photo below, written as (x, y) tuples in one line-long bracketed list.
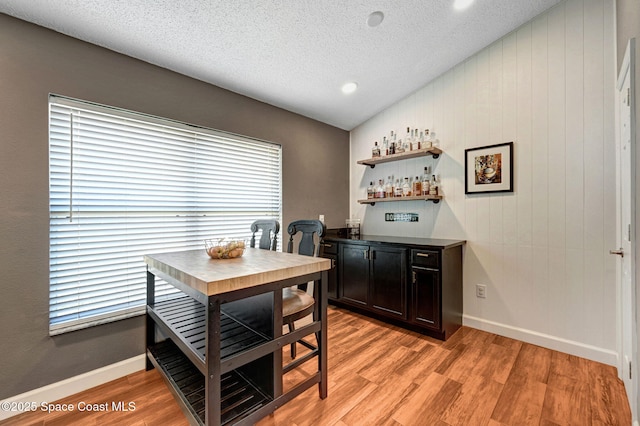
[(220, 348)]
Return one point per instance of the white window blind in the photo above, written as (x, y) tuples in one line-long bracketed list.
[(123, 184)]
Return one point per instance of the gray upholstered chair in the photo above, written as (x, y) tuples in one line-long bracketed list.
[(296, 302)]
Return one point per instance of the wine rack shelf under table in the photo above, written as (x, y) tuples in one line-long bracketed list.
[(239, 397), (184, 320)]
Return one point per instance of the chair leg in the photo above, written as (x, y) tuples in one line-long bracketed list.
[(293, 345)]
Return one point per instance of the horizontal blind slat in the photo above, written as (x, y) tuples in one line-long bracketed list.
[(123, 185)]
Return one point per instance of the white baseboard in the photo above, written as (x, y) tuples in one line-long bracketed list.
[(571, 347), (73, 385)]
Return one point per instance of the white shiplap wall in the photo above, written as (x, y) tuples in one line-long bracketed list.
[(542, 250)]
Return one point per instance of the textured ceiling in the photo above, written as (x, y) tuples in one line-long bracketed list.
[(295, 54)]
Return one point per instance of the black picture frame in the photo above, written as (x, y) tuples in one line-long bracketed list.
[(488, 169)]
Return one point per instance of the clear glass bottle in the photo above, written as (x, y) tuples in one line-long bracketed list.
[(388, 188), (397, 189), (406, 188), (408, 139), (370, 191), (424, 190), (433, 188), (380, 189), (399, 146), (434, 140), (427, 139), (385, 146), (417, 186), (375, 151)]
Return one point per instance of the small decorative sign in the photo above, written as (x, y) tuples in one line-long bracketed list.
[(401, 217)]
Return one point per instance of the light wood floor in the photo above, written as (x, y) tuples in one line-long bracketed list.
[(384, 375)]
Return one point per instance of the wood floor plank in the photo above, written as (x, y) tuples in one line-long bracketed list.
[(533, 362), (524, 393), (567, 401), (475, 403), (376, 408), (310, 410), (608, 400), (428, 402), (472, 356), (417, 365), (377, 369), (384, 375)]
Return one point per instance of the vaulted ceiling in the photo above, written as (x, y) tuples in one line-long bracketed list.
[(294, 54)]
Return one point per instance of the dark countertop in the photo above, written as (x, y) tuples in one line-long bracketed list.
[(332, 235)]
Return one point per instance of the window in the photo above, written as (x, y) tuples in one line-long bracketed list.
[(123, 184)]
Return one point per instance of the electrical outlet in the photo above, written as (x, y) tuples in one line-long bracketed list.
[(321, 218), (481, 291)]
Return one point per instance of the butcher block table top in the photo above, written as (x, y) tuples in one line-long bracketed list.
[(213, 277)]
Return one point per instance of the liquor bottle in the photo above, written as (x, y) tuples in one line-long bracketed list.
[(388, 188), (417, 139), (375, 151), (434, 140), (417, 186), (427, 139), (370, 192), (399, 146), (406, 188), (392, 143), (425, 182), (408, 139), (385, 146), (380, 189), (433, 188), (397, 189)]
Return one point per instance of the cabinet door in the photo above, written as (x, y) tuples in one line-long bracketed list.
[(354, 273), (333, 276), (426, 297), (388, 280)]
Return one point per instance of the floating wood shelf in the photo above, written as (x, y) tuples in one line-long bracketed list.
[(435, 198), (434, 152)]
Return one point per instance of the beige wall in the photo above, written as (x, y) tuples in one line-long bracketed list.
[(35, 62)]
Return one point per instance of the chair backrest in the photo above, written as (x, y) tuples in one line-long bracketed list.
[(269, 237), (307, 245)]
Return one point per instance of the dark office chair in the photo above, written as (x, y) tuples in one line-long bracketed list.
[(269, 237), (296, 302)]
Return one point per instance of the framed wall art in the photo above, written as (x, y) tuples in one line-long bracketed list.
[(489, 169)]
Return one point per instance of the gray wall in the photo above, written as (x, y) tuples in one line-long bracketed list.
[(35, 62)]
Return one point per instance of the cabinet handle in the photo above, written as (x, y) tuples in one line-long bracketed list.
[(366, 254), (413, 273), (328, 245), (422, 254)]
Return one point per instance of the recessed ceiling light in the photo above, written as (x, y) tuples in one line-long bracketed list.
[(375, 18), (462, 4), (349, 88)]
